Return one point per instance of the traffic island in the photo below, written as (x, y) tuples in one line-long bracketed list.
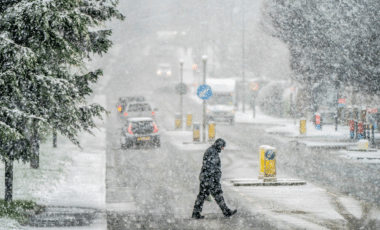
[(260, 182), (363, 146), (267, 171)]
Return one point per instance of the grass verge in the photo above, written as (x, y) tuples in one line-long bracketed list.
[(19, 210)]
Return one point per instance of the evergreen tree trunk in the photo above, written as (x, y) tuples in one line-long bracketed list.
[(35, 160), (8, 180), (54, 138)]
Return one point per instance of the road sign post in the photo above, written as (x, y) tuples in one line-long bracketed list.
[(204, 92), (181, 104), (201, 93)]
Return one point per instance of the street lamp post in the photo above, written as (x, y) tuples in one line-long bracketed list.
[(243, 57), (204, 59), (181, 102)]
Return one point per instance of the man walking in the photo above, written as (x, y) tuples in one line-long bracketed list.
[(210, 181)]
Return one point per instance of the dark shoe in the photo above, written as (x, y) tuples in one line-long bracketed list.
[(197, 216), (230, 213)]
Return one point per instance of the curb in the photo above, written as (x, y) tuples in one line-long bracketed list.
[(258, 182)]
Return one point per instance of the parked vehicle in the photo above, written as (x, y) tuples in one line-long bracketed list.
[(221, 106), (140, 131)]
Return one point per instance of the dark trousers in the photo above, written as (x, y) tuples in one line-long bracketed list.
[(206, 188)]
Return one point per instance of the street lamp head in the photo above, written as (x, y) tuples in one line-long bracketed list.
[(204, 58), (181, 61)]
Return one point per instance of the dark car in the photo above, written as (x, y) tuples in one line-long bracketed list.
[(124, 101), (140, 131)]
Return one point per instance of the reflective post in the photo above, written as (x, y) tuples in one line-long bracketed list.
[(189, 120), (211, 131), (196, 132), (261, 161), (270, 164), (352, 129), (303, 126), (178, 121), (360, 130), (317, 120), (363, 144)]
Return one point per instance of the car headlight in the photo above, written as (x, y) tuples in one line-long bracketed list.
[(159, 72), (169, 72)]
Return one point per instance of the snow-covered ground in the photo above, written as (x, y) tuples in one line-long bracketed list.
[(363, 156), (290, 127), (7, 223), (68, 176), (84, 183), (37, 185)]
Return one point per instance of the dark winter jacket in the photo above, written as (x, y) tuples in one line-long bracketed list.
[(211, 167)]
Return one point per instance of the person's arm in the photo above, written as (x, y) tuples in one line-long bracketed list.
[(218, 166)]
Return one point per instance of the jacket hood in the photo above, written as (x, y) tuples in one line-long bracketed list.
[(219, 144)]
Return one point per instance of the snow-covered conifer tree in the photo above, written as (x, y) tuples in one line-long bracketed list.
[(41, 41)]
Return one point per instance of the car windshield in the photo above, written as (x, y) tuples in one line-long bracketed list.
[(139, 107), (164, 67), (142, 127), (221, 100)]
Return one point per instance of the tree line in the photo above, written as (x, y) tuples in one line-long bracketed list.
[(332, 41), (43, 79)]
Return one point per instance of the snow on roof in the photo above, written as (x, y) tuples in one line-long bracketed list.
[(138, 102), (140, 119)]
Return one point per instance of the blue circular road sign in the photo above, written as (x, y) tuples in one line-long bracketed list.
[(204, 92)]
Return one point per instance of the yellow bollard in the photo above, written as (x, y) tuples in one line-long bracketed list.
[(211, 131), (363, 144), (303, 126), (261, 161), (178, 121), (196, 132), (270, 164), (189, 120)]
